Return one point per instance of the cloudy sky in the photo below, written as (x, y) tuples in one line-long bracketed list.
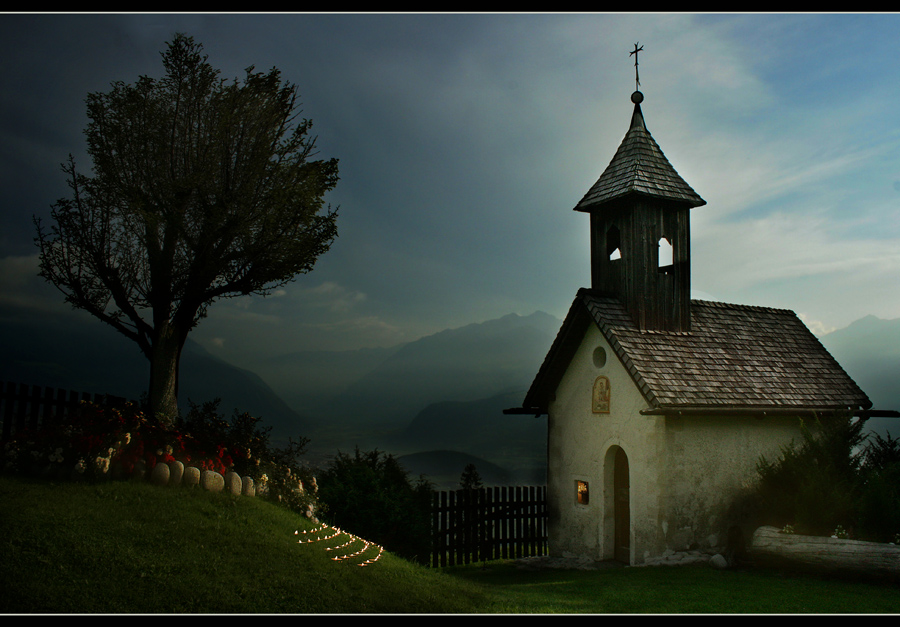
[(465, 140)]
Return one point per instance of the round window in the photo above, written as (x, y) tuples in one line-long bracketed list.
[(599, 356)]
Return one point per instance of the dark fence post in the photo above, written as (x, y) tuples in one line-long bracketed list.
[(34, 408), (6, 401)]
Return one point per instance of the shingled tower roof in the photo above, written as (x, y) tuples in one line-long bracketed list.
[(639, 167)]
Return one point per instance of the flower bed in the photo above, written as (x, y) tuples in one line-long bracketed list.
[(107, 443)]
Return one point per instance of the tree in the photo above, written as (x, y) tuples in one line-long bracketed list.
[(202, 189), (470, 479), (371, 495), (815, 484)]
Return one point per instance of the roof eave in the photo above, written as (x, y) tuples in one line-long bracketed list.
[(620, 198), (756, 410)]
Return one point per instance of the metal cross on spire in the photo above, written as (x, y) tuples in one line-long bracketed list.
[(637, 80)]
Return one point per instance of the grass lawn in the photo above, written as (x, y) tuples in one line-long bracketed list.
[(696, 589), (125, 547)]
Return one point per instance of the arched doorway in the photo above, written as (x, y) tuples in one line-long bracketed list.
[(621, 508)]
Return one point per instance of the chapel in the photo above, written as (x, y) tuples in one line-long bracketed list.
[(659, 406)]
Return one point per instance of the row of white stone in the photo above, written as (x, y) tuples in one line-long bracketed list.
[(175, 473)]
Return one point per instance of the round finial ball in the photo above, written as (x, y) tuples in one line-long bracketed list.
[(637, 97)]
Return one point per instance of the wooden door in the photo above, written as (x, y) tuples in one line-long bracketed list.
[(622, 514)]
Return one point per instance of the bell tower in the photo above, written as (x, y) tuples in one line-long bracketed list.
[(640, 230)]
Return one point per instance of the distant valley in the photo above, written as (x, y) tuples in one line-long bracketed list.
[(389, 387), (441, 391), (436, 402)]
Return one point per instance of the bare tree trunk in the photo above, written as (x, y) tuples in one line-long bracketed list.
[(821, 553), (164, 367)]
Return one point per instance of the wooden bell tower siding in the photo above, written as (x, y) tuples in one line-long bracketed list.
[(638, 201)]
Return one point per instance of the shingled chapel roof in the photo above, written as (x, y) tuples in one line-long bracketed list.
[(735, 357), (639, 167)]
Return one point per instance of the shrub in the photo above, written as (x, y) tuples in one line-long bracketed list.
[(95, 442), (815, 486), (880, 500), (288, 481), (279, 473), (370, 494), (470, 479), (833, 479)]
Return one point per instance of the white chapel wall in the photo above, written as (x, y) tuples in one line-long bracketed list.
[(580, 442), (710, 460)]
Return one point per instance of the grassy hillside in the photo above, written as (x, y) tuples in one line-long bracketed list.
[(133, 547), (126, 547)]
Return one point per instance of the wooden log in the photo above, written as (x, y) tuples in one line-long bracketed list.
[(768, 544)]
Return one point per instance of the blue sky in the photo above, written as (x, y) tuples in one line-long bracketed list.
[(465, 140)]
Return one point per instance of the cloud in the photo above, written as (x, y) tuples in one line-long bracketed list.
[(465, 140), (331, 296), (818, 327), (800, 261), (789, 245), (368, 331)]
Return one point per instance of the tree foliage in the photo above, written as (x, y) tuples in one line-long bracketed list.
[(371, 495), (201, 189), (837, 476), (814, 486), (470, 479), (880, 501)]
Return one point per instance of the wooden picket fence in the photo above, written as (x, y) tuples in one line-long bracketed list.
[(502, 522), (31, 406)]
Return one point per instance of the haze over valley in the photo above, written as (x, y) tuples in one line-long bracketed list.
[(435, 402)]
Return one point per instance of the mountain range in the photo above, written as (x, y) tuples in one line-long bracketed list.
[(78, 353), (457, 381), (434, 402), (388, 387), (869, 351), (443, 391)]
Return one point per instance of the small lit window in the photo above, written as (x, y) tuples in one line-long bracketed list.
[(581, 492)]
